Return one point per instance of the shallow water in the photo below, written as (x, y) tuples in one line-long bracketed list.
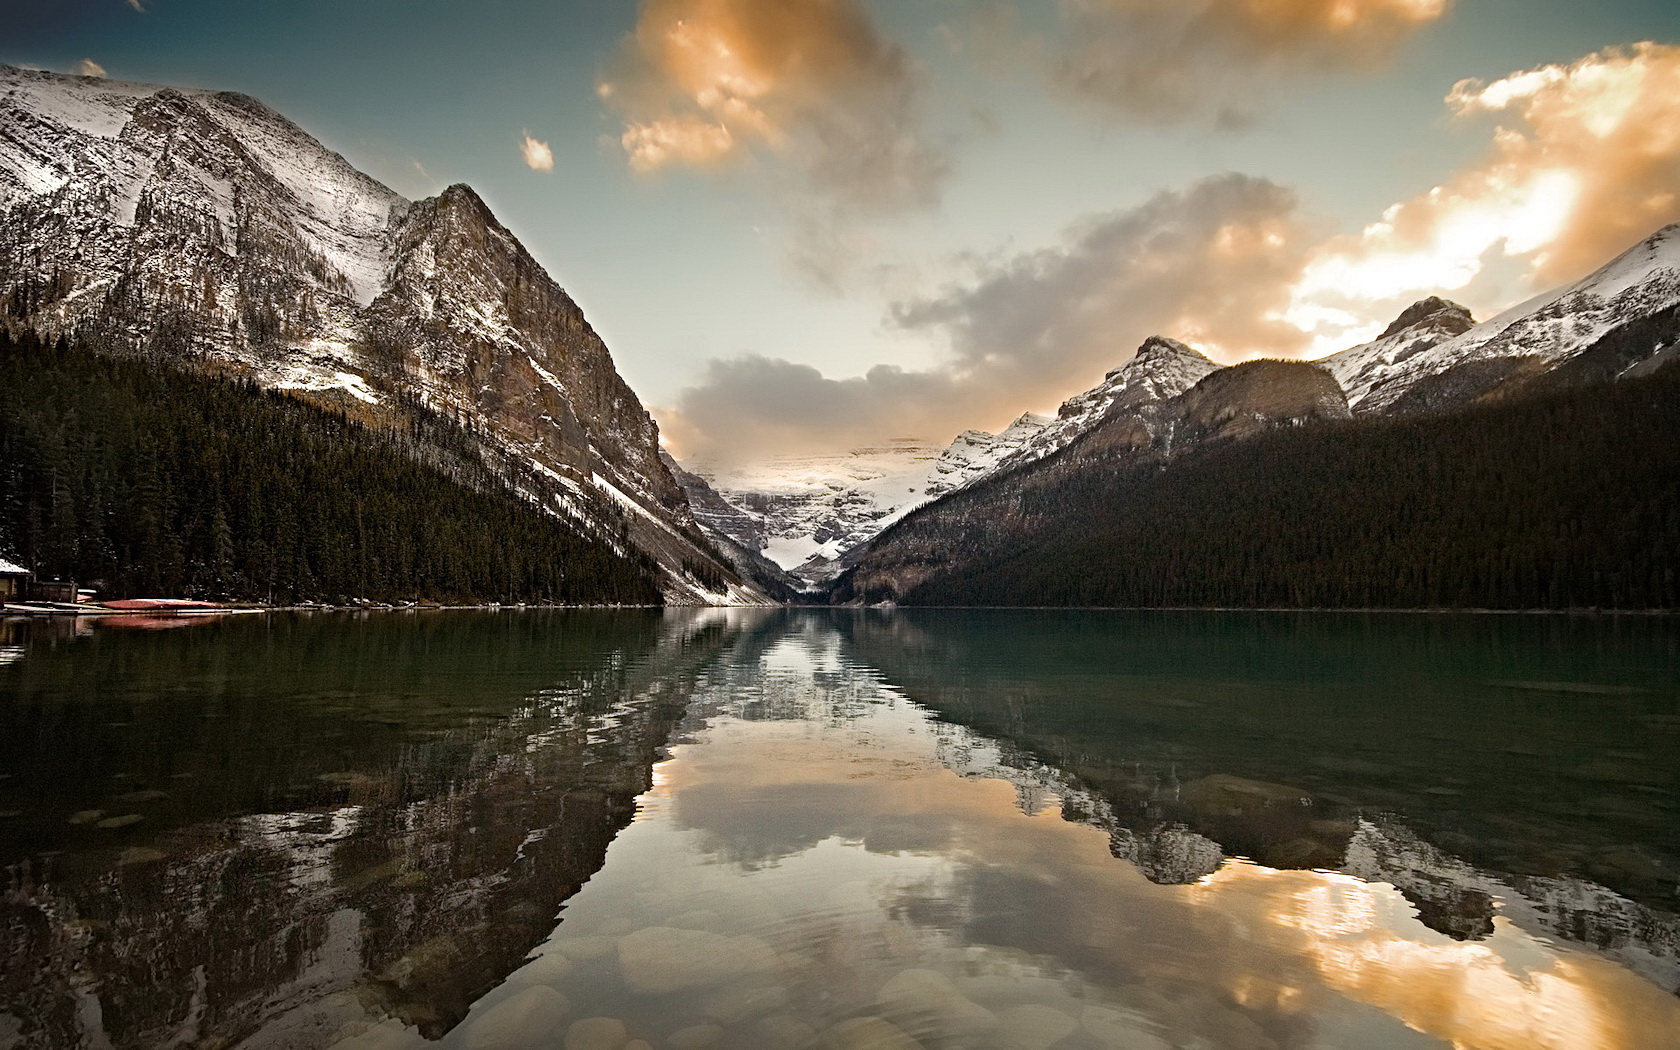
[(841, 829)]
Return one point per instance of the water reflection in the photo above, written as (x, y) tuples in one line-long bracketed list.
[(259, 834), (850, 830)]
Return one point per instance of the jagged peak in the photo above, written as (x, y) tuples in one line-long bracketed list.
[(1030, 419), (1444, 312), (1160, 344), (1155, 349)]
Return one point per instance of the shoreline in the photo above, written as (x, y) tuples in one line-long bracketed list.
[(20, 610)]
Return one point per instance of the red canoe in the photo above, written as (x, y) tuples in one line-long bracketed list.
[(152, 604)]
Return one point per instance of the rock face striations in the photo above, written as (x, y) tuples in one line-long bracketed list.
[(204, 227)]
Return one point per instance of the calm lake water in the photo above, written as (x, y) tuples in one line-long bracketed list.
[(841, 829)]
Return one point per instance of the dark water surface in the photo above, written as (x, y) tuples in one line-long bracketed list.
[(840, 829)]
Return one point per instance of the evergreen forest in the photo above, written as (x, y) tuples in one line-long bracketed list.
[(145, 479), (1563, 499)]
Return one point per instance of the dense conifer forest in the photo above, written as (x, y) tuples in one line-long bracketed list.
[(1566, 499), (146, 479)]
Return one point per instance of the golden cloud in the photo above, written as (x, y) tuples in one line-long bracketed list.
[(809, 82), (1586, 162), (1166, 60), (1212, 264), (87, 67), (538, 157)]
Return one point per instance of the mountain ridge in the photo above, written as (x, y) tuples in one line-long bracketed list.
[(204, 226)]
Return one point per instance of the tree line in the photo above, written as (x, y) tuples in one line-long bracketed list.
[(146, 478), (1566, 499)]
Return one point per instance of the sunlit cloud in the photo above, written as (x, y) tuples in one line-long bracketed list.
[(810, 89), (87, 67), (138, 5), (1212, 264), (538, 157), (1585, 161), (1173, 60)]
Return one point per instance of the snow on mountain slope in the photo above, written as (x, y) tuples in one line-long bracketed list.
[(1397, 371), (1161, 368), (808, 513), (975, 452), (57, 127), (205, 227), (804, 512), (1423, 325)]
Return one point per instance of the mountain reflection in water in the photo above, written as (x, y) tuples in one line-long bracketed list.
[(843, 829)]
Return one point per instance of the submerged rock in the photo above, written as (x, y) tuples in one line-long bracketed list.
[(1119, 1028), (786, 1032), (927, 1001), (868, 1033), (523, 1019), (597, 1033), (741, 1001), (1035, 1027)]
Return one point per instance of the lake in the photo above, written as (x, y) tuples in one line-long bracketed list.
[(779, 829)]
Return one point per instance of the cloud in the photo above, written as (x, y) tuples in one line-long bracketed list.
[(138, 5), (87, 67), (1163, 61), (538, 157), (1212, 264), (809, 87), (746, 405), (1585, 162)]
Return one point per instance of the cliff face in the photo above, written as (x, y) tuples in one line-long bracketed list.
[(206, 227)]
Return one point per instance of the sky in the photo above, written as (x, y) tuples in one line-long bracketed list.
[(806, 225)]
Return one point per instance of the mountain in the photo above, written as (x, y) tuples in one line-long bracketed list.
[(721, 521), (204, 227), (1160, 368), (811, 515), (1434, 357), (1388, 360), (1559, 499), (803, 512), (978, 544), (975, 452), (1018, 503), (140, 477)]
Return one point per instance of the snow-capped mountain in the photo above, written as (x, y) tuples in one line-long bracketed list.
[(808, 513), (1014, 505), (1389, 357), (205, 227), (805, 512), (1161, 368), (1434, 357), (975, 452)]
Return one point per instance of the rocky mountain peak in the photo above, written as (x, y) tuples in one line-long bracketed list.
[(1435, 313), (1159, 345), (207, 227)]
